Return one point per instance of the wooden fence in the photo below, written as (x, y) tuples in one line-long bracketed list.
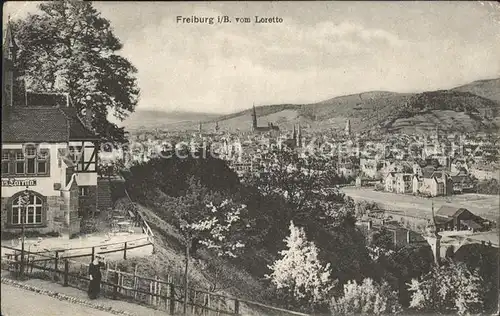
[(116, 284), (160, 294), (138, 214), (90, 251)]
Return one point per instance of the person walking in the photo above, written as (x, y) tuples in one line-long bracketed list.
[(95, 277)]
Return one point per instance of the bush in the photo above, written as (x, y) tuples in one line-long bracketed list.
[(366, 298), (448, 288), (489, 186)]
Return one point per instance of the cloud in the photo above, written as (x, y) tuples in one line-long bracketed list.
[(315, 54)]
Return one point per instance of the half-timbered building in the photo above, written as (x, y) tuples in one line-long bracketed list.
[(49, 153)]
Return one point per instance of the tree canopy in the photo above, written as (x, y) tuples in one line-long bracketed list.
[(69, 47)]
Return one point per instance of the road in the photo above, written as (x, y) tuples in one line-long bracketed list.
[(20, 302), (481, 205)]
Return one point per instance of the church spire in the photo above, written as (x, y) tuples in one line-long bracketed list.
[(254, 118)]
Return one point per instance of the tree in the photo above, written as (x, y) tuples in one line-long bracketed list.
[(448, 288), (383, 238), (207, 218), (68, 47), (366, 298), (223, 231), (187, 210), (222, 228), (299, 271)]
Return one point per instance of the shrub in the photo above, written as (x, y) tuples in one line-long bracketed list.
[(366, 298)]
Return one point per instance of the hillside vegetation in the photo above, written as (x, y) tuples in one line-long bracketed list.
[(285, 240), (489, 89)]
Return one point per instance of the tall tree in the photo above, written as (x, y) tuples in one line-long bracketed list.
[(69, 47), (365, 298), (299, 271), (448, 288)]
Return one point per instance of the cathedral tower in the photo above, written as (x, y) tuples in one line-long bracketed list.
[(254, 118)]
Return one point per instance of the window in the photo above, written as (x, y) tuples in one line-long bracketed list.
[(75, 153), (30, 161), (84, 191), (32, 212), (5, 162), (20, 162), (42, 162), (30, 153)]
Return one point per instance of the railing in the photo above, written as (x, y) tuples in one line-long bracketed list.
[(164, 295), (92, 250), (145, 226), (115, 284)]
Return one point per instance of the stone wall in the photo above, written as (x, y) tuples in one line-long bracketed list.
[(88, 204)]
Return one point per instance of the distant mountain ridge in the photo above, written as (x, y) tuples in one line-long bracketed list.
[(151, 119), (473, 107), (489, 88)]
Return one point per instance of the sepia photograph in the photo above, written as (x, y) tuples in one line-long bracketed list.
[(276, 158)]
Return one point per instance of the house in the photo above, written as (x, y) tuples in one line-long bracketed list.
[(453, 218), (390, 182), (369, 167), (437, 183), (347, 169), (462, 182), (417, 169), (49, 157), (458, 165), (483, 172), (404, 183)]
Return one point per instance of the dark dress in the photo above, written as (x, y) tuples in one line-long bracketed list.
[(95, 283)]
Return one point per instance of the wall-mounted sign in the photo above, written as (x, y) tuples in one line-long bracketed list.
[(11, 182)]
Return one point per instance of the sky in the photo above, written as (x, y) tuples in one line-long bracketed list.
[(319, 51)]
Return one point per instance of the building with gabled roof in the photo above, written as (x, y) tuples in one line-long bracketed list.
[(449, 218), (49, 156)]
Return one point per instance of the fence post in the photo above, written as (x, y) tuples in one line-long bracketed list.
[(172, 299), (115, 285), (66, 270), (56, 263), (93, 254), (136, 285), (237, 307), (125, 251)]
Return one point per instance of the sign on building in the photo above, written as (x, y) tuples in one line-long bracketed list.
[(11, 182)]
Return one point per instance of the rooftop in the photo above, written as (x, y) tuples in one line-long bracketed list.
[(42, 124)]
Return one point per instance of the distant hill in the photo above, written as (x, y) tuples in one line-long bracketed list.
[(151, 119), (473, 107), (379, 110), (489, 88)]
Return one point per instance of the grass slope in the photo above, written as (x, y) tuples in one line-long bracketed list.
[(168, 261)]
